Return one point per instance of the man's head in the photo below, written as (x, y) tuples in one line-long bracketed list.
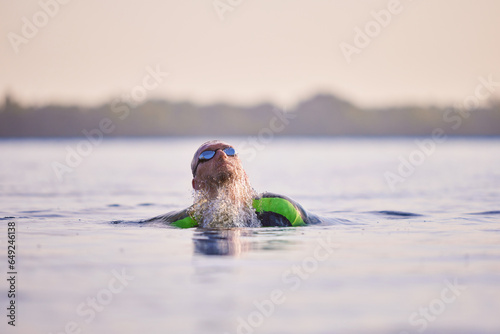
[(222, 193), (214, 163)]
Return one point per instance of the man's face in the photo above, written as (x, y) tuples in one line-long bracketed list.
[(217, 170)]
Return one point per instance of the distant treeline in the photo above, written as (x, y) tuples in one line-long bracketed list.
[(322, 114)]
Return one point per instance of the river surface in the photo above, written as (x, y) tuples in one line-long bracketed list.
[(410, 239)]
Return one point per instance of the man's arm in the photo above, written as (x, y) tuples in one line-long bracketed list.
[(180, 218)]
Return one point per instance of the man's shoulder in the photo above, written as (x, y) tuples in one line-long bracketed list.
[(284, 206), (279, 199), (270, 204), (272, 195)]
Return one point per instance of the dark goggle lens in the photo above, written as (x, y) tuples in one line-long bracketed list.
[(207, 155), (229, 151)]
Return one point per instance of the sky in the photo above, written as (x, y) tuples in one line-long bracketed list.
[(372, 53)]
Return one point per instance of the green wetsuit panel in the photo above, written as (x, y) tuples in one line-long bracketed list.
[(185, 222), (280, 206)]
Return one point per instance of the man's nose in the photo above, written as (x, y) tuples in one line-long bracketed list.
[(220, 154)]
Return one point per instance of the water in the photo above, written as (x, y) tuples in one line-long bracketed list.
[(422, 257)]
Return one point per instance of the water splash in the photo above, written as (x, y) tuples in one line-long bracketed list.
[(227, 205)]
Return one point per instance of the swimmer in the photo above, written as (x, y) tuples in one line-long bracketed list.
[(224, 198)]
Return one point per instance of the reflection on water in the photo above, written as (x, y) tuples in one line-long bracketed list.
[(222, 242), (236, 241)]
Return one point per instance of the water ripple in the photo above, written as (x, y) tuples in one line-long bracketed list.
[(396, 213)]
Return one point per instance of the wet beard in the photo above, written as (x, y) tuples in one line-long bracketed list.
[(228, 204)]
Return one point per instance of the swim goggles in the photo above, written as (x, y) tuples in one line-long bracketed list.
[(207, 155)]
